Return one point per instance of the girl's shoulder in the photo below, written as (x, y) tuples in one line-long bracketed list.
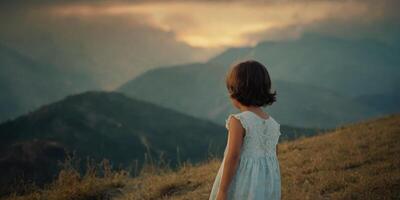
[(241, 116)]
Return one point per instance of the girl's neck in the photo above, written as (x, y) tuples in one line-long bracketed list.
[(250, 108), (254, 109)]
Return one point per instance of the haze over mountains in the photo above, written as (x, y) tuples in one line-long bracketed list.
[(67, 55), (338, 80), (109, 43), (319, 81), (351, 67), (110, 50), (26, 84)]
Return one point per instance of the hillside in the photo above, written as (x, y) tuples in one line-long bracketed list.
[(342, 83), (357, 161), (101, 125)]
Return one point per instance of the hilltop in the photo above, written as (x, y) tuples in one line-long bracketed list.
[(356, 161)]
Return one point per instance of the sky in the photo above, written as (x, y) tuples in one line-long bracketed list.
[(127, 38), (216, 24)]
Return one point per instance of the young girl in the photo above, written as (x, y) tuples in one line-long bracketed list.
[(250, 168)]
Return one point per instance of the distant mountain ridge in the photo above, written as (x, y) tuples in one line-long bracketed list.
[(317, 79), (351, 67), (118, 127)]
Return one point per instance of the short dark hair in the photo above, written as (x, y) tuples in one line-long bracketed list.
[(249, 83)]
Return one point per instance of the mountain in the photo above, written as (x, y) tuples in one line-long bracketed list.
[(26, 84), (107, 125), (350, 67), (198, 89), (317, 78)]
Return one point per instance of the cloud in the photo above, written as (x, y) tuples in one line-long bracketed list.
[(112, 49), (234, 23)]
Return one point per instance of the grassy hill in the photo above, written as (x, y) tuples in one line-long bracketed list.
[(356, 161)]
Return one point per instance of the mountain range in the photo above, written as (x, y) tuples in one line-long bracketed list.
[(320, 81)]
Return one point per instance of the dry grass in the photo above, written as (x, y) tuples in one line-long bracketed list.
[(190, 181), (358, 161), (70, 185)]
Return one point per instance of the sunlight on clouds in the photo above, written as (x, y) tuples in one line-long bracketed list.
[(217, 24)]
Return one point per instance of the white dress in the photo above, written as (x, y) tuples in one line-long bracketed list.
[(258, 175)]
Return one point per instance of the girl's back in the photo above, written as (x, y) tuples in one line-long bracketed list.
[(250, 168), (258, 173)]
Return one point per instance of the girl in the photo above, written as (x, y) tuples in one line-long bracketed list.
[(250, 168)]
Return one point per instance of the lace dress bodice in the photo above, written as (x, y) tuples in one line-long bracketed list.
[(261, 135)]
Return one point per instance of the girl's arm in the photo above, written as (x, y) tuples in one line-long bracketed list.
[(235, 138)]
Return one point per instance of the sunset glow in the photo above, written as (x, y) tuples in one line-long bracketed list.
[(214, 24)]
